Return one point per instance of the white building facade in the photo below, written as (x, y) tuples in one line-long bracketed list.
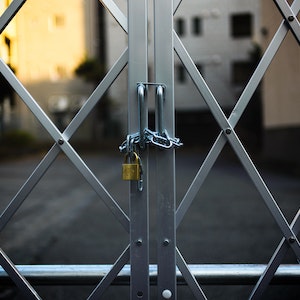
[(219, 36)]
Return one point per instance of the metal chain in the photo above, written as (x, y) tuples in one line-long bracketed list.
[(161, 140)]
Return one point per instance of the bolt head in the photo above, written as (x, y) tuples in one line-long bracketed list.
[(140, 294), (166, 242), (60, 141), (139, 242), (291, 18), (167, 294), (292, 240), (227, 130)]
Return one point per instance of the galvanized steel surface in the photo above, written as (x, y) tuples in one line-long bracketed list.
[(171, 251)]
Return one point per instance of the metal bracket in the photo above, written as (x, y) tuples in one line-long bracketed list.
[(141, 93), (159, 103), (159, 138), (152, 84)]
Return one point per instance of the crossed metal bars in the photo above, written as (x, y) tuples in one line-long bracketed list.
[(290, 17), (227, 133), (61, 144)]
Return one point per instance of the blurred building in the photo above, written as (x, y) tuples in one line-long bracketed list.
[(8, 55), (222, 38), (226, 40), (45, 43), (7, 37)]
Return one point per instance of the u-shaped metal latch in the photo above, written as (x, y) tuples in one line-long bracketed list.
[(159, 109), (141, 93)]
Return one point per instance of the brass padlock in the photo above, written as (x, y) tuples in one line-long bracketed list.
[(131, 169)]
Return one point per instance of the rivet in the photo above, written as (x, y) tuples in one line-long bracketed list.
[(60, 141), (291, 18), (227, 130), (166, 242), (140, 294), (139, 242), (167, 294), (292, 240)]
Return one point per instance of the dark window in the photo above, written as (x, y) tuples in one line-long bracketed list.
[(150, 74), (241, 72), (241, 25), (59, 21), (61, 71), (181, 74), (8, 44), (197, 26), (180, 26)]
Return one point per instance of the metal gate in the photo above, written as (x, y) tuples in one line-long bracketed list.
[(171, 266)]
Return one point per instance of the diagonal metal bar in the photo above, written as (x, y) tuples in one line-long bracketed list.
[(107, 81), (189, 277), (234, 118), (120, 17), (70, 130), (9, 13), (199, 178), (261, 69), (111, 6), (264, 191), (96, 184), (111, 275), (200, 83), (176, 4), (235, 142), (290, 17), (30, 102), (274, 263), (28, 186), (18, 279)]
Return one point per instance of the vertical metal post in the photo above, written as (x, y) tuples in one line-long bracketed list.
[(139, 222), (165, 159)]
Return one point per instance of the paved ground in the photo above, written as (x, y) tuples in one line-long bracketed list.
[(64, 222)]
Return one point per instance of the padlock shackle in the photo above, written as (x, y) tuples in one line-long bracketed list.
[(128, 156)]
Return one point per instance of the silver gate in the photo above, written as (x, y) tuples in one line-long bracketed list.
[(171, 266)]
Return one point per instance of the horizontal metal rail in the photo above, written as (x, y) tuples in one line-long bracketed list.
[(215, 274)]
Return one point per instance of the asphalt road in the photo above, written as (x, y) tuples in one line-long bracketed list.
[(63, 221)]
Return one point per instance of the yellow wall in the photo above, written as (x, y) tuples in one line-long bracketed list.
[(281, 93), (48, 42), (50, 39), (10, 34)]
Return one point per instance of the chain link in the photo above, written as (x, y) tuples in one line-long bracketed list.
[(163, 141)]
